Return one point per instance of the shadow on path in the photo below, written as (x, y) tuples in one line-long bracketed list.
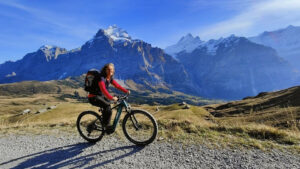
[(66, 156)]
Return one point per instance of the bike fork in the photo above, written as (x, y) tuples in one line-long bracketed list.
[(135, 122)]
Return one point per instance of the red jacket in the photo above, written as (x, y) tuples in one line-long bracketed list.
[(104, 91)]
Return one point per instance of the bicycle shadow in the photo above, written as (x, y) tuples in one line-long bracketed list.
[(66, 157)]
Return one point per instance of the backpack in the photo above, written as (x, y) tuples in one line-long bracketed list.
[(91, 81)]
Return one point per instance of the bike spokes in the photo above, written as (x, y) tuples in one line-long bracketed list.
[(89, 126), (140, 127)]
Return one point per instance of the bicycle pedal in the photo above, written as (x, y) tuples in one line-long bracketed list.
[(109, 130)]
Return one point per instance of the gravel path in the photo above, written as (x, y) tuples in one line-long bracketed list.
[(49, 151)]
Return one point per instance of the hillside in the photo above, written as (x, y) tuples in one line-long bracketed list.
[(141, 94), (266, 121), (278, 109)]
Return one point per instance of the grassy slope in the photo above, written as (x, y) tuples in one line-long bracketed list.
[(141, 94), (279, 109), (238, 129), (175, 123)]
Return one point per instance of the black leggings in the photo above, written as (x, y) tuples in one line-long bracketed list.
[(101, 101)]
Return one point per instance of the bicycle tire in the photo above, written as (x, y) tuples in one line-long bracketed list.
[(99, 122), (145, 114)]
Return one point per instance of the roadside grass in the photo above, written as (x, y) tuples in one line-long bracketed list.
[(193, 125)]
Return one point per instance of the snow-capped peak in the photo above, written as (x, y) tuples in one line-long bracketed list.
[(188, 38), (47, 47), (117, 34), (187, 43), (212, 45), (112, 32), (232, 39)]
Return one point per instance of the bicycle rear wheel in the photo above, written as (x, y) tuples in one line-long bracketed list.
[(140, 127), (89, 126)]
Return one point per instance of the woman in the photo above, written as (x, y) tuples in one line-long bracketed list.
[(101, 99)]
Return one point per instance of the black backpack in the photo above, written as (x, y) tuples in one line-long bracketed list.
[(91, 81)]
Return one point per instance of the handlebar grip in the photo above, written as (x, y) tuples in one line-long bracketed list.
[(120, 97)]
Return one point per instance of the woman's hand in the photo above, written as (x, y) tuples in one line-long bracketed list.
[(115, 99), (128, 92)]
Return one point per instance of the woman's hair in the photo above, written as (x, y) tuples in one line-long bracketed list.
[(103, 70)]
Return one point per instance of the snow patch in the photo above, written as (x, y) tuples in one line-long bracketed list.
[(213, 45), (189, 43), (117, 34), (48, 48), (11, 75)]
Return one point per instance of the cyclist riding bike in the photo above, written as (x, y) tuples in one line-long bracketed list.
[(102, 98), (138, 125)]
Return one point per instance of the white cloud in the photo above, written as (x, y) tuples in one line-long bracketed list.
[(267, 15)]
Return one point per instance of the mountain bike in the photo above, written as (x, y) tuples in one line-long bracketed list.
[(138, 126)]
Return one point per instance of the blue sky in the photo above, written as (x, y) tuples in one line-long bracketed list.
[(25, 25)]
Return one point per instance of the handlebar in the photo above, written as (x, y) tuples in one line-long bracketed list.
[(120, 98), (123, 97)]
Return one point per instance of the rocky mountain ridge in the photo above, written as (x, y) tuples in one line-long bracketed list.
[(233, 67), (226, 68), (136, 59), (285, 41)]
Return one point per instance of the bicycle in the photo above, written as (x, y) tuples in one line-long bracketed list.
[(138, 126)]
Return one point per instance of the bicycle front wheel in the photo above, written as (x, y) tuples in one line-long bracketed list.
[(89, 126), (140, 127)]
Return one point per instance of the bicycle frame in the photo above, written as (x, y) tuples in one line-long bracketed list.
[(119, 112)]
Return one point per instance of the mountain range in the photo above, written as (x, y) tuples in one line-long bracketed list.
[(285, 41), (134, 59), (235, 67), (227, 68)]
